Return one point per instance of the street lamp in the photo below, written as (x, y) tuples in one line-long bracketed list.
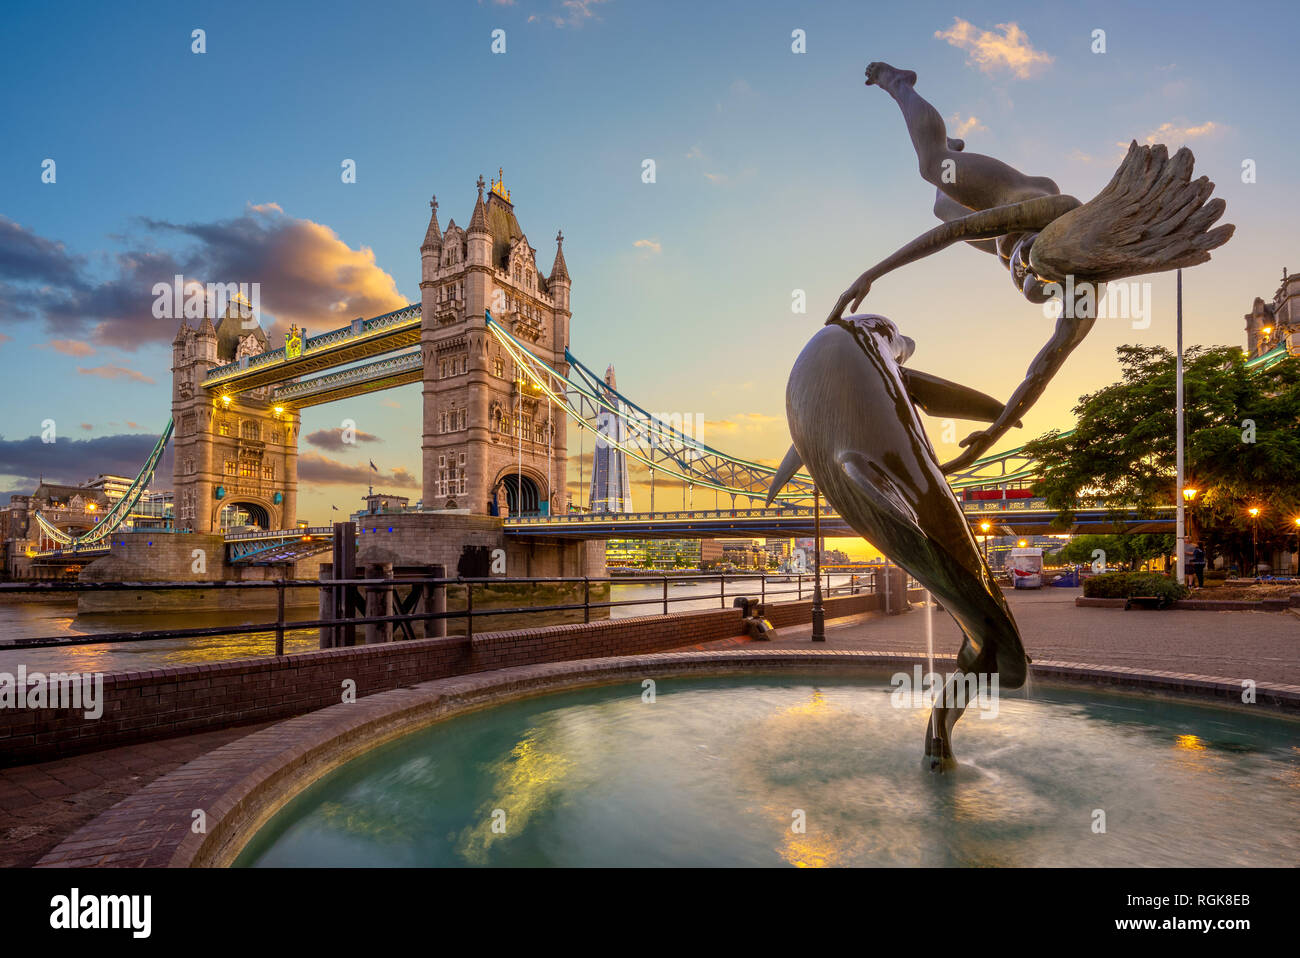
[(1297, 545), (1254, 539), (1189, 497), (984, 528)]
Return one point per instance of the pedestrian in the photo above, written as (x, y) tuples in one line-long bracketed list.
[(1198, 565)]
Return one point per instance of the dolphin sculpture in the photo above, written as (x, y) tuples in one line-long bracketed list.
[(852, 412)]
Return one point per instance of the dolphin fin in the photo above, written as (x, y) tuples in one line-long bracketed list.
[(878, 487), (789, 465), (939, 397)]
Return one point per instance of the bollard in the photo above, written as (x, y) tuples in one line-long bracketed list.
[(379, 601), (436, 598), (328, 633)]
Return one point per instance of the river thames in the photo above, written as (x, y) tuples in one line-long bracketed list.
[(49, 619)]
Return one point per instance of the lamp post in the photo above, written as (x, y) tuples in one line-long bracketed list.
[(1180, 532), (818, 614), (1297, 545), (984, 528), (1254, 539)]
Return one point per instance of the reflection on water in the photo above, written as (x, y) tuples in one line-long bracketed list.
[(724, 772), (56, 619)]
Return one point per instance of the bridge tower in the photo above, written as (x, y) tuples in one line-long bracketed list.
[(235, 458), (492, 442)]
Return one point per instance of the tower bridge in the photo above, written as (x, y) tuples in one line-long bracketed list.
[(489, 342)]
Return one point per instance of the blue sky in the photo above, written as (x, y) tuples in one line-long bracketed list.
[(775, 171)]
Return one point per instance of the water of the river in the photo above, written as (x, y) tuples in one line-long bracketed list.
[(49, 619)]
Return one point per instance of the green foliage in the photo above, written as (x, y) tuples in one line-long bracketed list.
[(1127, 550), (1123, 447), (1123, 585)]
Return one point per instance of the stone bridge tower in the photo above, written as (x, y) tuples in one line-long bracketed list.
[(235, 457), (492, 443)]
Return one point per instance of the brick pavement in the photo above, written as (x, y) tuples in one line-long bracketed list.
[(41, 804), (1264, 646)]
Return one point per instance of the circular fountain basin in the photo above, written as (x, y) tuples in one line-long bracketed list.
[(808, 772)]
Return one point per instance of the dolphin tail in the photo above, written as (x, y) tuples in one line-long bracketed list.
[(789, 465)]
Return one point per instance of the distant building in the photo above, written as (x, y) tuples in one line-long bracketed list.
[(653, 553), (611, 487), (74, 510), (1269, 325)]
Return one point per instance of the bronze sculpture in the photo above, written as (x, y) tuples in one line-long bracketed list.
[(1151, 217), (852, 406)]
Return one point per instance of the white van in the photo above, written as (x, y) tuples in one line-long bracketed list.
[(1026, 568)]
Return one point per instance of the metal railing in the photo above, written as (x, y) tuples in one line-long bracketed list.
[(802, 588)]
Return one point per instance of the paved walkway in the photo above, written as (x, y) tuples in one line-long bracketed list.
[(42, 804), (1264, 646)]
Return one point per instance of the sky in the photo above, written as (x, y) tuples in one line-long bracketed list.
[(775, 172)]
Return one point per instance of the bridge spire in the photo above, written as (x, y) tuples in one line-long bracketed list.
[(478, 222), (433, 237), (560, 270)]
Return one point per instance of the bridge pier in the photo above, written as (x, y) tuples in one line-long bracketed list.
[(159, 556)]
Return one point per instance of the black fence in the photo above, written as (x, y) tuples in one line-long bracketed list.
[(798, 587)]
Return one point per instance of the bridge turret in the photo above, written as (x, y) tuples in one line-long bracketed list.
[(559, 281), (431, 249), (205, 342), (478, 237)]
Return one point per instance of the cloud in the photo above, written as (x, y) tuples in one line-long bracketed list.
[(695, 153), (332, 439), (716, 177), (573, 13), (1172, 133), (743, 422), (76, 460), (962, 128), (305, 272), (653, 246), (322, 471), (88, 427), (5, 339), (71, 347), (991, 51), (115, 372)]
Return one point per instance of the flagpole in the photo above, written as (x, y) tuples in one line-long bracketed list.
[(1180, 531)]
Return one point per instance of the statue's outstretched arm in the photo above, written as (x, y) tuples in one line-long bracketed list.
[(1015, 218), (1069, 333)]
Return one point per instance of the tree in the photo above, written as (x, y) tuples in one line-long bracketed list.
[(1117, 550), (1243, 446)]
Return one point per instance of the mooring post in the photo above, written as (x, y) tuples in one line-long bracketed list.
[(328, 633), (279, 616), (345, 567), (665, 595), (378, 603), (436, 596)]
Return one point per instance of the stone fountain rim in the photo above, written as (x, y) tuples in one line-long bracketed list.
[(242, 785)]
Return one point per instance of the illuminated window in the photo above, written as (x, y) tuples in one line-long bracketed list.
[(498, 368)]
